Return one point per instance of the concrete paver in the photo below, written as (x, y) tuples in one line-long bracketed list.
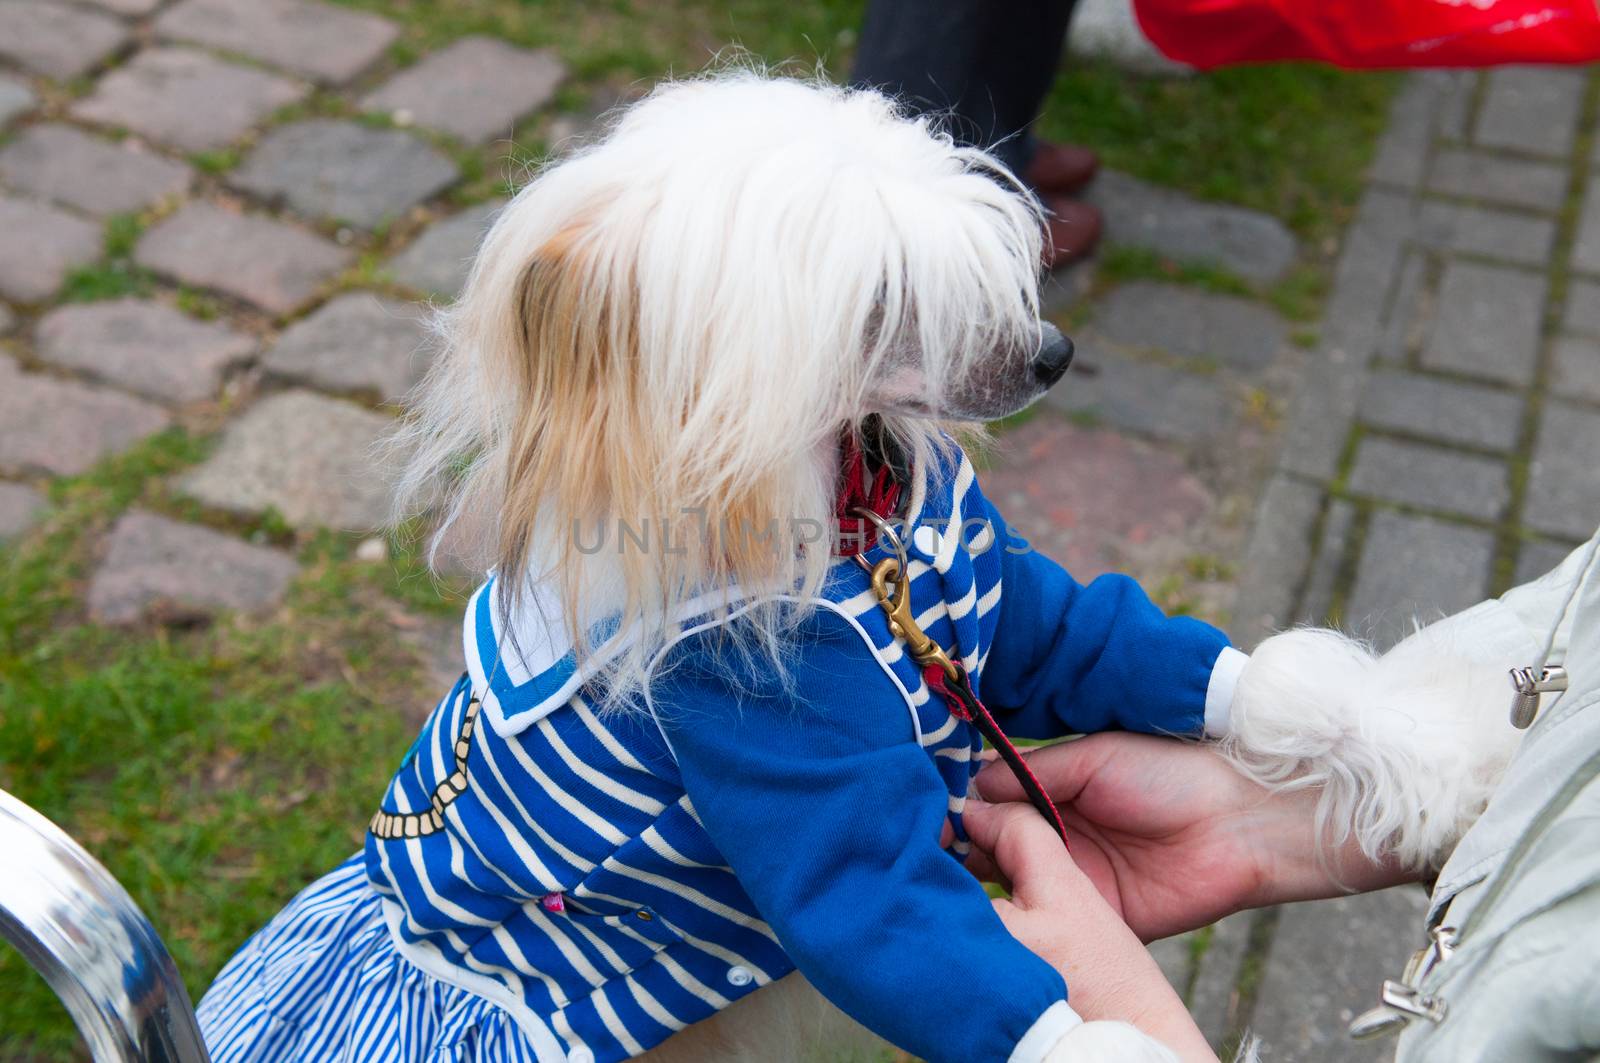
[(187, 98)]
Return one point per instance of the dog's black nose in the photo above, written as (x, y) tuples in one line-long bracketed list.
[(1055, 354)]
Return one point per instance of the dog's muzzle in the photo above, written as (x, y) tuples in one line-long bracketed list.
[(1054, 355)]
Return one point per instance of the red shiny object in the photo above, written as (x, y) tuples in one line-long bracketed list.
[(861, 487), (1371, 34)]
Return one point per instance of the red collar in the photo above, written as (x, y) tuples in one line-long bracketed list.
[(862, 484)]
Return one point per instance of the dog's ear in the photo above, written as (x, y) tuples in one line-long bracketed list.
[(578, 439)]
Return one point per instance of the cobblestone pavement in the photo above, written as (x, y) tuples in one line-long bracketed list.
[(264, 191)]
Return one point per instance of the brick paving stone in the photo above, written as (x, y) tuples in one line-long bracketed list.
[(1397, 336), (1537, 557), (1446, 410), (437, 261), (15, 98), (1191, 324), (275, 266), (308, 456), (1490, 233), (1064, 489), (1278, 552), (1354, 323), (63, 163), (1214, 1000), (186, 98), (1458, 89), (41, 244), (330, 44), (1174, 955), (356, 342), (1153, 400), (175, 572), (1415, 569), (1583, 306), (1417, 474), (1486, 322), (21, 507), (1402, 149), (148, 348), (1517, 182), (342, 170), (1564, 481), (1327, 962), (1253, 245), (57, 40), (1586, 248), (1533, 109), (1317, 605), (1577, 369), (63, 427), (475, 89)]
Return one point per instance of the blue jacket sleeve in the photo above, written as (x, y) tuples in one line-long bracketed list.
[(1074, 659), (817, 793)]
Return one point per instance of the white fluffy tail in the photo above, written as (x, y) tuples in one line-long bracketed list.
[(1405, 748)]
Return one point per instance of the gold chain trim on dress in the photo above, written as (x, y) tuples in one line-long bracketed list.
[(392, 825)]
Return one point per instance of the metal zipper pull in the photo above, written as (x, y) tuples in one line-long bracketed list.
[(1529, 685), (1404, 1000)]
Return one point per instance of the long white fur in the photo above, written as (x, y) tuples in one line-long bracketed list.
[(1403, 749), (778, 241)]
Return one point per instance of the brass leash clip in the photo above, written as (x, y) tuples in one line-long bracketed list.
[(896, 605), (893, 589)]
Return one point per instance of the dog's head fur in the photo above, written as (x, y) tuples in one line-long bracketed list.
[(675, 327)]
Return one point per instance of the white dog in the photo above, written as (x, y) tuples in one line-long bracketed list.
[(689, 758)]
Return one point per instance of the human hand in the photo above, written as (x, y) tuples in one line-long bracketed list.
[(1058, 913), (1174, 838)]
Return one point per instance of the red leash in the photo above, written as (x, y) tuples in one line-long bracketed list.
[(861, 501), (964, 704)]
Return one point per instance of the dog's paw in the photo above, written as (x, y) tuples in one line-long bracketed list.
[(1404, 749)]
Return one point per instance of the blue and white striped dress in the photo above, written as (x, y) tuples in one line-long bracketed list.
[(562, 885)]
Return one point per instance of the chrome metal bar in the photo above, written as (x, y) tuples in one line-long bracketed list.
[(79, 928)]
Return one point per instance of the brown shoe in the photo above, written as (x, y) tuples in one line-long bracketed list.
[(1072, 229), (1061, 169)]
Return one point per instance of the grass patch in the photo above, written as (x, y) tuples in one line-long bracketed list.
[(1288, 139), (216, 161), (198, 304), (116, 275), (215, 771), (104, 280), (1119, 265)]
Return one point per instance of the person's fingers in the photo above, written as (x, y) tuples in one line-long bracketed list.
[(1062, 769), (982, 868), (1024, 849)]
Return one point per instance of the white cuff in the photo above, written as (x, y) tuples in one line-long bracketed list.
[(1219, 691), (1047, 1030)]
